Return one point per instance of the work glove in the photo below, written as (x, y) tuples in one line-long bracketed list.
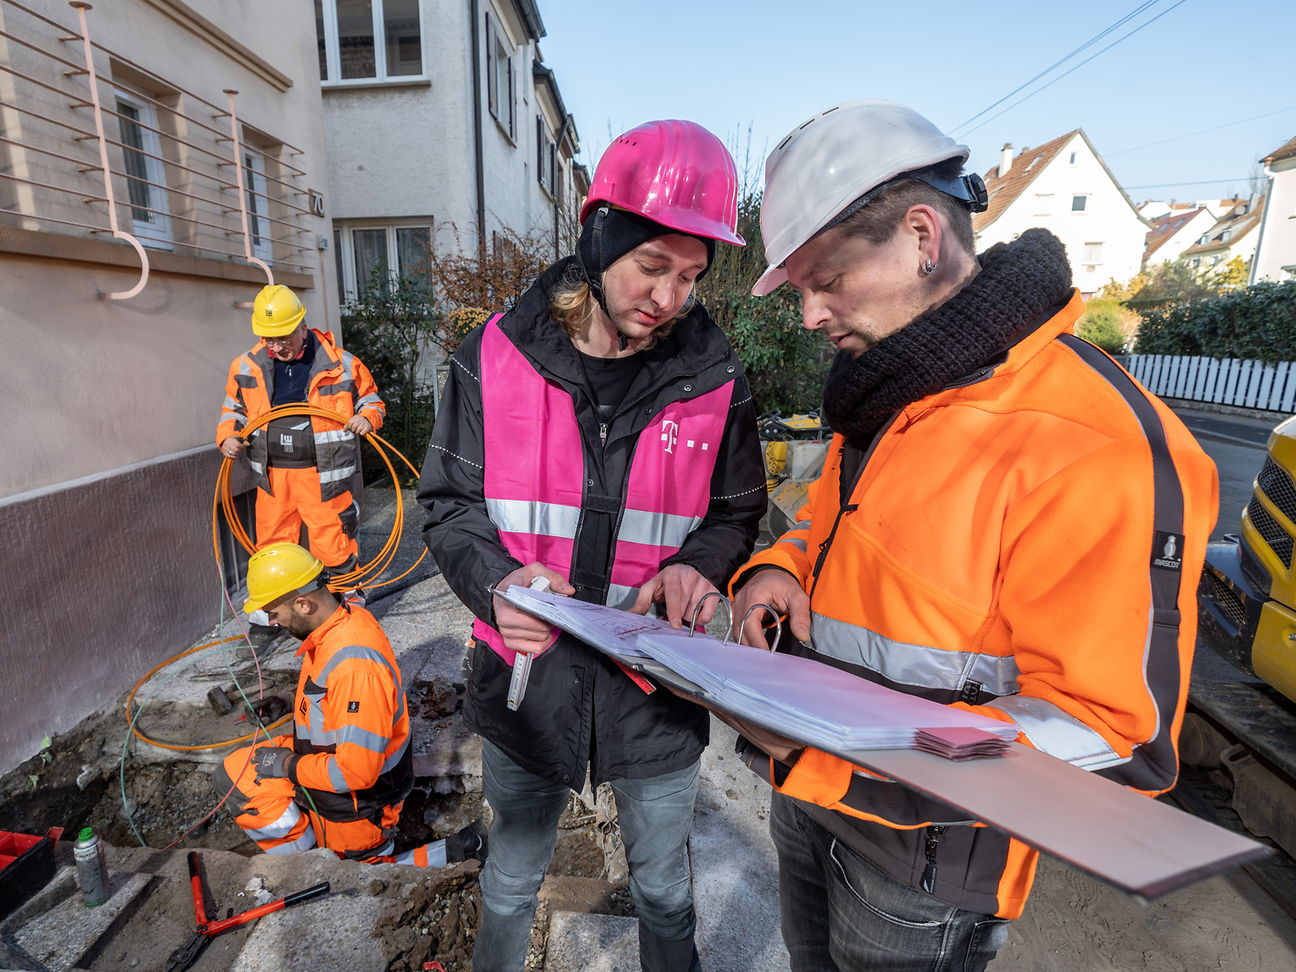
[(275, 762)]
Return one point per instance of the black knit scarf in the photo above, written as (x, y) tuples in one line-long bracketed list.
[(1018, 282)]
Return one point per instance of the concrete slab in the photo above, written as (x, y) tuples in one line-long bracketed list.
[(295, 938), (61, 937), (735, 869), (593, 943)]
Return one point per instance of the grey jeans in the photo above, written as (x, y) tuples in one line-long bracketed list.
[(839, 912), (654, 814)]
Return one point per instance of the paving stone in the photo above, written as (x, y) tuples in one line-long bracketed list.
[(329, 934), (592, 943), (735, 868), (59, 938)]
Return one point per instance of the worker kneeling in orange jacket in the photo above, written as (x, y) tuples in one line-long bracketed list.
[(340, 780), (303, 464)]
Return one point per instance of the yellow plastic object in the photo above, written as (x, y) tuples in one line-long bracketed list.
[(802, 423), (1273, 654), (276, 570), (775, 459), (276, 312)]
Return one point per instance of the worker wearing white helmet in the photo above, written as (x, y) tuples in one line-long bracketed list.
[(988, 532)]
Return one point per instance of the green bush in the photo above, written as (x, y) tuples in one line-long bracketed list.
[(1257, 323), (390, 328), (786, 365)]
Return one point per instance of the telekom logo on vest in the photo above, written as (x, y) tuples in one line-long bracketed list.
[(670, 435)]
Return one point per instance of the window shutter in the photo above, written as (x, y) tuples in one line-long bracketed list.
[(492, 81), (511, 100), (540, 149)]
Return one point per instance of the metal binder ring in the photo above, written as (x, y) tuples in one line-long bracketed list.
[(698, 609), (778, 631)]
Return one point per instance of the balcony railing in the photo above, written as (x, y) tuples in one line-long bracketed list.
[(183, 175)]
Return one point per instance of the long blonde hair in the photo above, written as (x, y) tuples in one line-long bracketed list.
[(571, 302)]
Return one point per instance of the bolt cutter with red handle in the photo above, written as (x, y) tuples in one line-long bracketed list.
[(188, 953)]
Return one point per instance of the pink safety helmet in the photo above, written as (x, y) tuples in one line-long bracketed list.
[(675, 173)]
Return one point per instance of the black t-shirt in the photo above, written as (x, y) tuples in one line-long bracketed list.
[(291, 441), (610, 379)]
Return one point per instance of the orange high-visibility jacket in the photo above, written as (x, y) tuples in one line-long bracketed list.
[(352, 728), (1025, 545), (338, 381)]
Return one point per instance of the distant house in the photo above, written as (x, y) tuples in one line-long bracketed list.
[(1171, 235), (1065, 187), (1155, 208), (1275, 257), (1233, 235)]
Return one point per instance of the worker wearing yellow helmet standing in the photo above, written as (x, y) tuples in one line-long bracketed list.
[(303, 465)]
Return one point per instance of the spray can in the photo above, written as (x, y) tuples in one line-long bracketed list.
[(92, 868)]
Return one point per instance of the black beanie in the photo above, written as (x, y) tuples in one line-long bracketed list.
[(622, 231)]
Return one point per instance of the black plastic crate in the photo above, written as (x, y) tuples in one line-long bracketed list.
[(26, 866)]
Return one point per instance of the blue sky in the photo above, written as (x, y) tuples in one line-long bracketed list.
[(729, 64)]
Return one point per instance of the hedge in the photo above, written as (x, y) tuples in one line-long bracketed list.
[(1256, 323)]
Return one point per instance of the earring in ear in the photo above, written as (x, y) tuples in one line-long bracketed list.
[(928, 268)]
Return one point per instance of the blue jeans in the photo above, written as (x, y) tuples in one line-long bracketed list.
[(839, 912), (654, 814)]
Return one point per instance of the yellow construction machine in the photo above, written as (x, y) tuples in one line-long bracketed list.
[(795, 448)]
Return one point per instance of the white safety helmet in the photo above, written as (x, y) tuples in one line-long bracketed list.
[(839, 160)]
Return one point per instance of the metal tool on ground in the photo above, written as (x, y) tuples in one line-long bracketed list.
[(188, 953), (522, 661)]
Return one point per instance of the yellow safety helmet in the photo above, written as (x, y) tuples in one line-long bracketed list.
[(276, 312), (276, 570)]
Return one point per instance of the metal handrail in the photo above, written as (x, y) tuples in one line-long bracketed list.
[(46, 185), (81, 7), (238, 169)]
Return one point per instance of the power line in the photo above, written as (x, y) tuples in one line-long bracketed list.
[(1092, 40), (1199, 182), (1074, 69), (1202, 132)]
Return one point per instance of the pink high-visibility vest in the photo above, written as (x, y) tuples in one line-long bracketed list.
[(535, 477)]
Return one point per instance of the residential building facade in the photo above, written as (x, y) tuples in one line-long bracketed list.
[(1171, 234), (1065, 187), (444, 128), (1232, 236), (1275, 256), (111, 408)]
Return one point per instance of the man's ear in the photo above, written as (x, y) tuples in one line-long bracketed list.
[(304, 605)]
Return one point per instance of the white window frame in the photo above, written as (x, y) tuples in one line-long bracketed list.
[(333, 53), (1043, 204), (349, 285), (154, 233), (501, 87), (546, 157), (1096, 258), (260, 228), (1080, 195), (1074, 158)]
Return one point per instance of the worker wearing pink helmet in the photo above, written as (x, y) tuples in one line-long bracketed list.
[(599, 435)]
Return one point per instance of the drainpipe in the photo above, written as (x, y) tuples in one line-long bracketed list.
[(475, 12), (558, 155)]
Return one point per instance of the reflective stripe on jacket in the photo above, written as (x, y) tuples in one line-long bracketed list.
[(1016, 545), (535, 483), (351, 723), (338, 381)]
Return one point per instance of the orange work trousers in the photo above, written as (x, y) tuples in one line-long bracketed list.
[(295, 500), (266, 811)]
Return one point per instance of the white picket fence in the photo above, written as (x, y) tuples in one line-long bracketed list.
[(1229, 381)]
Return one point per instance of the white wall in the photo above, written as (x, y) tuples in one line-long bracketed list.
[(1277, 245), (1107, 218)]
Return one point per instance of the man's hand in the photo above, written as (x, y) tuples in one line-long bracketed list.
[(232, 446), (359, 425), (681, 587), (274, 762), (781, 591), (525, 632)]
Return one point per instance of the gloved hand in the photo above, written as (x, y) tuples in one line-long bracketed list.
[(274, 762)]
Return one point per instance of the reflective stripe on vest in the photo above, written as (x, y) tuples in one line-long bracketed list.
[(534, 480)]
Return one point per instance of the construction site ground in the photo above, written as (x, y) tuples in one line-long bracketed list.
[(393, 917)]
